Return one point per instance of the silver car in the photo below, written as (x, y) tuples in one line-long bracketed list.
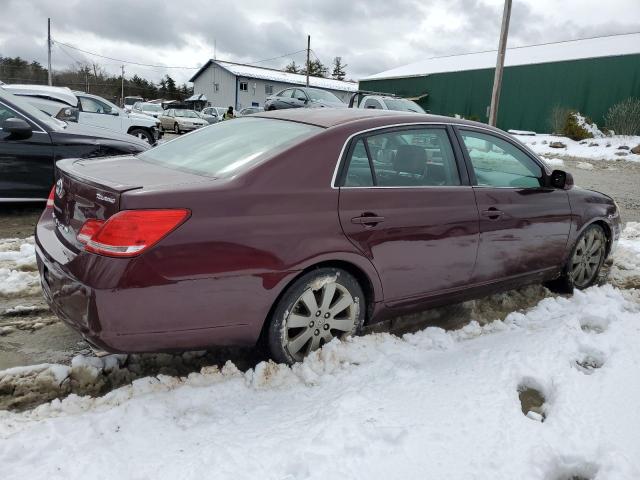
[(146, 108), (181, 120)]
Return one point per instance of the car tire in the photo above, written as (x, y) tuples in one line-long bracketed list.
[(583, 267), (176, 128), (304, 320), (271, 109), (142, 134)]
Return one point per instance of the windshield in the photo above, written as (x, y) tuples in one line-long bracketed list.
[(186, 113), (322, 95), (403, 105), (224, 149), (151, 107), (31, 110), (131, 100)]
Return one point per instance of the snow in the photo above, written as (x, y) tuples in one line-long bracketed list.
[(249, 71), (18, 270), (584, 166), (554, 162), (627, 44), (592, 148), (434, 404)]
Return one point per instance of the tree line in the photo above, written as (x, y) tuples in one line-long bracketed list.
[(318, 69), (91, 78)]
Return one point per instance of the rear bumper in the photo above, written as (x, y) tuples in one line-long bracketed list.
[(104, 301)]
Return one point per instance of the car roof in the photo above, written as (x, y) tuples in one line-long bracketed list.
[(61, 94), (331, 117)]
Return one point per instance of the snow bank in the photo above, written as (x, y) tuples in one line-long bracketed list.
[(433, 404), (606, 148), (18, 269)]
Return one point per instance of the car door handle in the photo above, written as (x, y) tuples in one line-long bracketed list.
[(367, 220), (493, 213)]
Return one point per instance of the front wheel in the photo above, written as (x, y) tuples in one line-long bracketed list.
[(142, 134), (176, 128), (583, 267), (321, 305)]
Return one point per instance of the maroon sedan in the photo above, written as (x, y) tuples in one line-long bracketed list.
[(303, 225)]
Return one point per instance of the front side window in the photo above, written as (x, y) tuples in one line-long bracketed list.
[(372, 103), (244, 86), (420, 157), (226, 149), (498, 163), (91, 105), (299, 94)]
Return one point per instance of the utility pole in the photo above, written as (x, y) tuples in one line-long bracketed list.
[(122, 86), (497, 80), (308, 63), (49, 51)]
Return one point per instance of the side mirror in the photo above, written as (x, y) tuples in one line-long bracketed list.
[(17, 128), (302, 99), (561, 179)]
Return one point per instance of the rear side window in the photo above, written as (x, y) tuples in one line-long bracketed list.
[(498, 163), (420, 157), (225, 149)]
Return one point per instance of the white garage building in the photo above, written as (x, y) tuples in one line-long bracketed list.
[(234, 84)]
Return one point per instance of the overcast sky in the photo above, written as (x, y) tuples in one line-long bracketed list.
[(371, 36)]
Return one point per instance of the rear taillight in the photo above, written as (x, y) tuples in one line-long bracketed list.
[(89, 229), (50, 198), (130, 232)]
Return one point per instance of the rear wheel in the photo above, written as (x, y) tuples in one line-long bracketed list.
[(142, 134), (584, 264), (321, 305)]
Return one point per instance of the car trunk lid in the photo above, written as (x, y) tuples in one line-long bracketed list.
[(93, 188)]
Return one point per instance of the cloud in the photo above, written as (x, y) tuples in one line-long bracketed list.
[(371, 36)]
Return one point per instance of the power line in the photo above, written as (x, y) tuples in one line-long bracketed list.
[(165, 66)]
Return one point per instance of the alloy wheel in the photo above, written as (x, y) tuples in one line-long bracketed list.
[(587, 257), (318, 316)]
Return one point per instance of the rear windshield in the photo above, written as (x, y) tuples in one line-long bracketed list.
[(225, 149)]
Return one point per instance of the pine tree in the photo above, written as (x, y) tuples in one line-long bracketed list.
[(292, 67), (316, 69), (338, 69)]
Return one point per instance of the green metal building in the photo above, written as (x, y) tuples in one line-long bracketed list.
[(585, 75)]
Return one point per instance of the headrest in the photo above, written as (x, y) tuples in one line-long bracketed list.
[(410, 159)]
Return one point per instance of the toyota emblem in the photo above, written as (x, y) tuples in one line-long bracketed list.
[(59, 188)]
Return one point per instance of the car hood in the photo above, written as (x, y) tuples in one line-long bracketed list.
[(142, 117), (83, 134)]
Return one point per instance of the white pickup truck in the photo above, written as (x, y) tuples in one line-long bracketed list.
[(91, 110)]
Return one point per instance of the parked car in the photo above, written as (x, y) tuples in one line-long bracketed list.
[(384, 102), (31, 141), (250, 111), (58, 102), (224, 236), (129, 102), (181, 120), (303, 97), (99, 112), (210, 117), (152, 109), (92, 110)]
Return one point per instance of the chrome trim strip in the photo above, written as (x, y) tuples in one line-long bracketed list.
[(497, 133), (9, 199)]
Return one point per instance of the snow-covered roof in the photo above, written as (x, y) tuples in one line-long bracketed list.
[(197, 97), (627, 44), (251, 71)]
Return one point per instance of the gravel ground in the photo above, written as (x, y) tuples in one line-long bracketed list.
[(37, 337)]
